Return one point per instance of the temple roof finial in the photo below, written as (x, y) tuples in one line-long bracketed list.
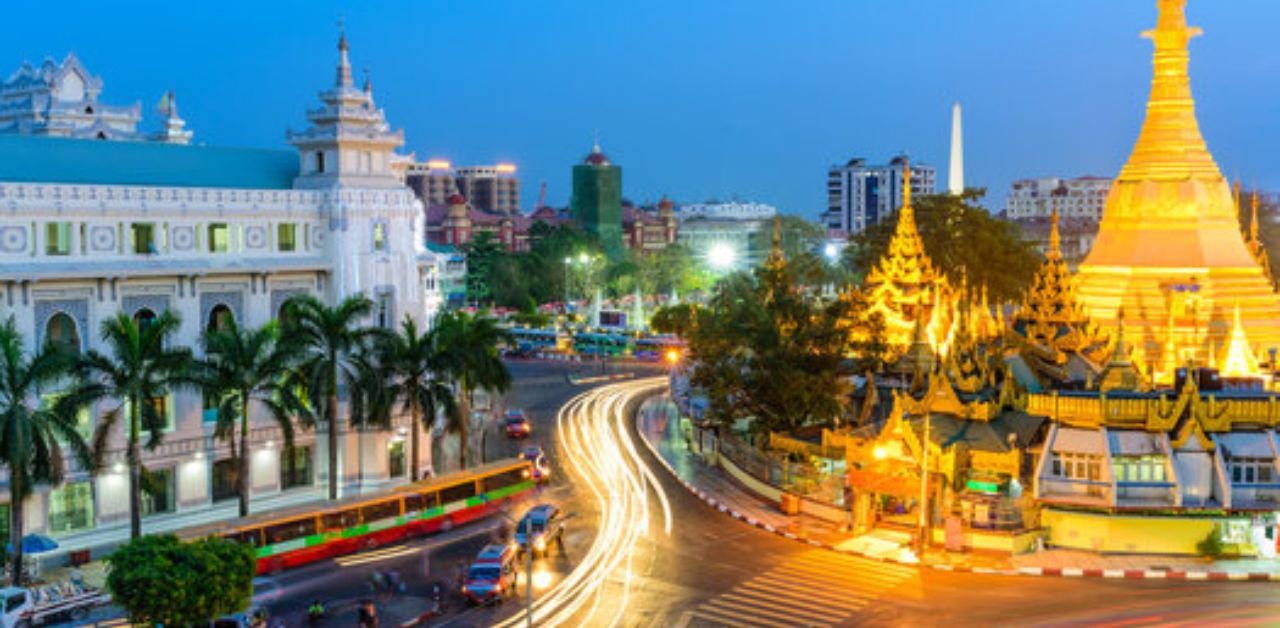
[(1055, 236), (344, 64), (1253, 217)]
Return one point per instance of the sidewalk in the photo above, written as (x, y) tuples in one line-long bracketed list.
[(713, 485)]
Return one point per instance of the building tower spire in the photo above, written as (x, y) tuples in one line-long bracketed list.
[(907, 213), (1055, 238), (955, 178), (344, 64), (1253, 217)]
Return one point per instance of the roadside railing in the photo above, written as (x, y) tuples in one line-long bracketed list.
[(777, 469)]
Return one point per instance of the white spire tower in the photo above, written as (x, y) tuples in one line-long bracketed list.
[(955, 178)]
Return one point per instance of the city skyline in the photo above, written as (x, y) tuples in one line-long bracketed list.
[(757, 112)]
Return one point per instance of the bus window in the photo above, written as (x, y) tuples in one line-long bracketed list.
[(380, 510), (457, 492), (418, 502), (341, 519), (290, 530), (251, 536), (504, 479)]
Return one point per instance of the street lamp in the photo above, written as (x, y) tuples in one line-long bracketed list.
[(830, 251), (567, 262), (721, 256)]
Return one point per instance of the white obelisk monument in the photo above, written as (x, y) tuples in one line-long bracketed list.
[(955, 178)]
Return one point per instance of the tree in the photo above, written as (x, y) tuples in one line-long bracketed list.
[(765, 348), (139, 372), (679, 319), (327, 341), (799, 236), (243, 367), (160, 580), (33, 434), (415, 366), (469, 354), (483, 252), (963, 239)]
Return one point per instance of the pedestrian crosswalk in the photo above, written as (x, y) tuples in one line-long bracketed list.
[(817, 588)]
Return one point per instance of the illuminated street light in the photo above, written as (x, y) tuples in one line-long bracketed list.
[(583, 258), (673, 356), (880, 453), (830, 251), (541, 579), (722, 256)]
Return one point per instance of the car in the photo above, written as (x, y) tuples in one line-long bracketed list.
[(517, 424), (541, 468), (541, 527), (492, 576)]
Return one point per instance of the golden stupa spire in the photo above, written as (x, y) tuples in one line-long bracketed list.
[(1235, 194), (1170, 145), (1055, 238), (1239, 360), (1253, 218), (776, 258)]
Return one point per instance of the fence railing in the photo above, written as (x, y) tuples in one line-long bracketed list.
[(774, 468)]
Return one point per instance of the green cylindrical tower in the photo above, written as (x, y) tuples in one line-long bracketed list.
[(597, 200)]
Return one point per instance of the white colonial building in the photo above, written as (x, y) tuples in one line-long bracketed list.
[(90, 228)]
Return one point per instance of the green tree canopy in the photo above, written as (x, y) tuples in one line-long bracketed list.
[(963, 239), (158, 579)]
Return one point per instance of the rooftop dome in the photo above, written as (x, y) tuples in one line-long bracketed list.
[(456, 199)]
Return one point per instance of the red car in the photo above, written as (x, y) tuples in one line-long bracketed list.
[(492, 576), (517, 424)]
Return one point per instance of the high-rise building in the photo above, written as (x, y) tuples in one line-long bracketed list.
[(494, 189), (859, 195), (433, 181), (1081, 197), (597, 199)]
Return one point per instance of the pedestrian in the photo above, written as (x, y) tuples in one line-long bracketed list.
[(394, 585), (377, 582)]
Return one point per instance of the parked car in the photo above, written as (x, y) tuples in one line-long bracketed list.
[(517, 424), (541, 527), (541, 471), (492, 576)]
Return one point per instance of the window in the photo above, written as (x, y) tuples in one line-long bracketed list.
[(1252, 470), (295, 468), (61, 332), (380, 511), (503, 480), (418, 502), (157, 409), (457, 492), (157, 492), (209, 406), (287, 237), (71, 507), (144, 238), (320, 161), (384, 313), (252, 536), (219, 238), (1138, 468), (1076, 466), (395, 459), (220, 317), (290, 530), (143, 318), (57, 238), (379, 236), (341, 520), (224, 480)]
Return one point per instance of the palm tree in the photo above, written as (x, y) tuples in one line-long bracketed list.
[(32, 434), (328, 341), (415, 364), (244, 366), (469, 347), (140, 369)]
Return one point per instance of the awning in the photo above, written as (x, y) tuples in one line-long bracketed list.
[(1133, 443), (1079, 441), (1244, 445)]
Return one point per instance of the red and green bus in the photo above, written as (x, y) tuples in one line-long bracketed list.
[(291, 537)]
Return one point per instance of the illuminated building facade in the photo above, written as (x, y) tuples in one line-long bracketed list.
[(596, 204)]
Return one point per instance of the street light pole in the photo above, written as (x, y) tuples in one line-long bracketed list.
[(567, 261), (924, 486)]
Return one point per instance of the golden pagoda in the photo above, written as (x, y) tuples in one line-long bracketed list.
[(1051, 315), (1238, 360), (1169, 250), (1256, 249), (904, 285)]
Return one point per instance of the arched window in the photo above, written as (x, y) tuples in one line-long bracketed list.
[(144, 317), (282, 315), (220, 317), (102, 135), (61, 332)]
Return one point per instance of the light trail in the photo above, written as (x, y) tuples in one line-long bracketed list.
[(600, 453)]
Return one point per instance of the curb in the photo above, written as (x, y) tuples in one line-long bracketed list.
[(1057, 572)]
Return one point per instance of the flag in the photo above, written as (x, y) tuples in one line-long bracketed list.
[(164, 103)]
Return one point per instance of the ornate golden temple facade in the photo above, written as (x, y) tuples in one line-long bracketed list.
[(1170, 251)]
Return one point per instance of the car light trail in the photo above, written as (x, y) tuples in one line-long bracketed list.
[(599, 451)]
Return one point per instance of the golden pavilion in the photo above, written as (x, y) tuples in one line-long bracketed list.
[(1169, 250)]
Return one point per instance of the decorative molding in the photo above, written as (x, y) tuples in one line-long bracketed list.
[(255, 237), (184, 238), (77, 309), (13, 239), (132, 303), (278, 297), (210, 300), (102, 238)]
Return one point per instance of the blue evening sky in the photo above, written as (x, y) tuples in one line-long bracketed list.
[(695, 98)]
